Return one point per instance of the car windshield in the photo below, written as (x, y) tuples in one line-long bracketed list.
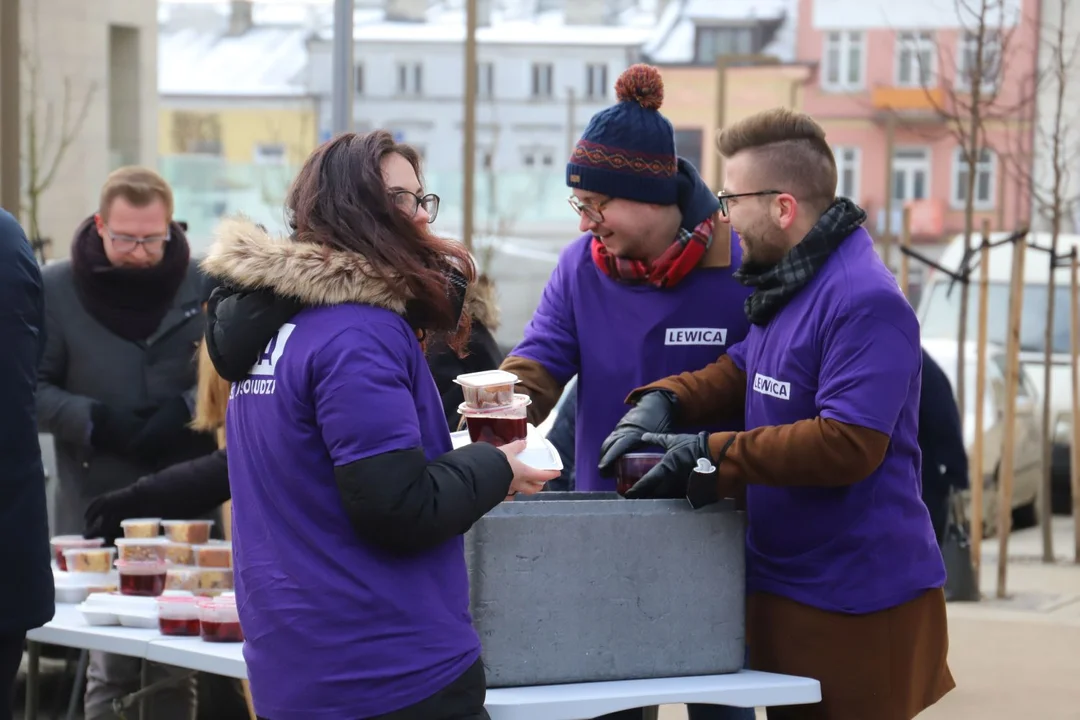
[(942, 313)]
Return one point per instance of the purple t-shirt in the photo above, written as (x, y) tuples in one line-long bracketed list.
[(335, 627), (846, 348), (618, 337)]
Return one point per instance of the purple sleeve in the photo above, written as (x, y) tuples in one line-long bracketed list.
[(551, 336), (364, 402), (738, 355), (868, 365)]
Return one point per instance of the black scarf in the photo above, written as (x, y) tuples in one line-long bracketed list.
[(775, 285), (128, 302)]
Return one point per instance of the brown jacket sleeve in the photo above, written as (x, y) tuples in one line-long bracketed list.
[(536, 382), (715, 392), (808, 453)]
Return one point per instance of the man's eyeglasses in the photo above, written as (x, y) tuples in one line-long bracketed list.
[(725, 197), (593, 212), (409, 202), (127, 243)]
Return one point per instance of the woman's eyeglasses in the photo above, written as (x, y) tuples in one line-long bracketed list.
[(409, 202)]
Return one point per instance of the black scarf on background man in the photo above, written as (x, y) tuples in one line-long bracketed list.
[(128, 302), (775, 285)]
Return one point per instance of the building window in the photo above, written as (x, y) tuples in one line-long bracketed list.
[(410, 78), (358, 79), (543, 80), (269, 154), (985, 179), (911, 174), (537, 157), (844, 60), (485, 80), (595, 81), (847, 172), (968, 66), (916, 61), (712, 42), (688, 144)]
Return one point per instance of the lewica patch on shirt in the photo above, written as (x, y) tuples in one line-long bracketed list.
[(771, 386), (695, 336)]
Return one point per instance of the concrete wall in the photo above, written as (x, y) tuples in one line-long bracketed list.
[(107, 48)]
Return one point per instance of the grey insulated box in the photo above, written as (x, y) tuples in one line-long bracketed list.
[(590, 587)]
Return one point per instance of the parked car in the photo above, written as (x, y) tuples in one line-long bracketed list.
[(1027, 463), (939, 313)]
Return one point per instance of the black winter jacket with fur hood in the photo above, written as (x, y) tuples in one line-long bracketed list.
[(397, 500)]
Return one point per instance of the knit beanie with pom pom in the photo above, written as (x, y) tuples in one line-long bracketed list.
[(628, 150)]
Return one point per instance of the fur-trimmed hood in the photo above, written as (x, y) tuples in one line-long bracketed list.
[(481, 303), (245, 256)]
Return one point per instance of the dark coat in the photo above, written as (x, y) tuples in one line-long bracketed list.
[(24, 525), (85, 363), (944, 459), (483, 352)]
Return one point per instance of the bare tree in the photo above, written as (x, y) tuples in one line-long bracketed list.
[(49, 136), (1058, 143), (968, 97)]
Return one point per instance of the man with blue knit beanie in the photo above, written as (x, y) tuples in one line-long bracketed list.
[(645, 292)]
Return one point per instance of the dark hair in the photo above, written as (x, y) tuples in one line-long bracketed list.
[(790, 149), (339, 199)]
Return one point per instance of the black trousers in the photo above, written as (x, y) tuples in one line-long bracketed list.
[(462, 699), (11, 650)]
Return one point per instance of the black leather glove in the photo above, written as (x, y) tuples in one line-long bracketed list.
[(167, 424), (113, 428), (653, 413), (671, 476), (105, 513)]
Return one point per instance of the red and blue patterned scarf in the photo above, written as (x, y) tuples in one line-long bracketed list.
[(666, 271)]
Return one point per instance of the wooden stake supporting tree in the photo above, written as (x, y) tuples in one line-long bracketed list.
[(978, 471), (1074, 463), (1008, 449)]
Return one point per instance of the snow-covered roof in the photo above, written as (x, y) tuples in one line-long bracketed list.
[(673, 38), (264, 61), (511, 22)]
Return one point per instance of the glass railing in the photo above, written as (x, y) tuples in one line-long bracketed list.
[(519, 204)]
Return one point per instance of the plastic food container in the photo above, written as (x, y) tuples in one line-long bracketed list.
[(178, 615), (193, 532), (142, 549), (488, 390), (179, 553), (60, 543), (632, 467), (178, 577), (213, 555), (89, 560), (219, 620), (501, 426), (214, 581), (142, 578), (141, 527)]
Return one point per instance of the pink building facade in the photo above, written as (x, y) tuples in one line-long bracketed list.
[(903, 70)]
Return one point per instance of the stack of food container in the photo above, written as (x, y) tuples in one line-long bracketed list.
[(82, 566), (493, 412), (179, 582)]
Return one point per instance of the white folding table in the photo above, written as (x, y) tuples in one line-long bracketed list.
[(581, 701)]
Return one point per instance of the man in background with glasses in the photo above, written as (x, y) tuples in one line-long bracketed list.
[(122, 318), (646, 291)]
